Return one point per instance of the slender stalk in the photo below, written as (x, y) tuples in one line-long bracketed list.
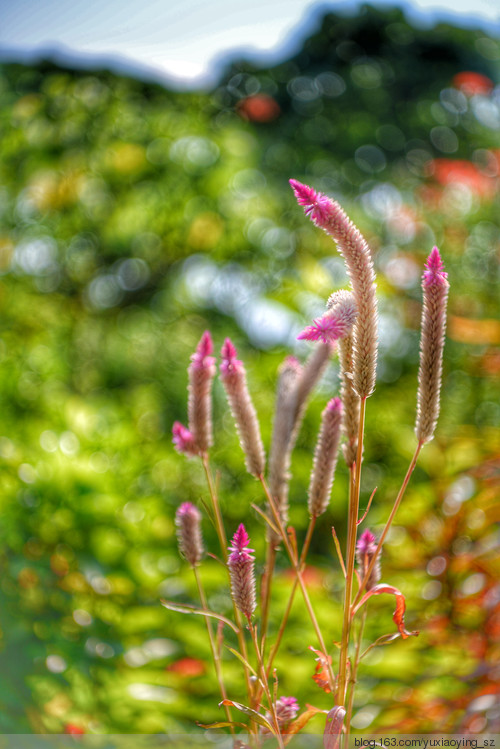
[(303, 555), (352, 678), (265, 683), (354, 490), (388, 524), (267, 580), (219, 524), (213, 647), (296, 565)]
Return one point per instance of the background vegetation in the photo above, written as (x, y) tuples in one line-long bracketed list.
[(133, 218)]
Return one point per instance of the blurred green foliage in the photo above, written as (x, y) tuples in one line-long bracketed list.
[(132, 218)]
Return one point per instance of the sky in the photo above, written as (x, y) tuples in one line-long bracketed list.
[(184, 40)]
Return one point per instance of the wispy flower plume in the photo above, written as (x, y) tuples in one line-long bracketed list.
[(325, 458), (435, 287), (284, 420), (233, 378), (188, 522), (201, 372), (365, 550), (328, 215), (241, 570)]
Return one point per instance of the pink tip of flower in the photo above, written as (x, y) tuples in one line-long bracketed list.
[(183, 439), (229, 362), (201, 358), (366, 543), (186, 508), (335, 404), (326, 329), (316, 205), (434, 272), (239, 545), (286, 709)]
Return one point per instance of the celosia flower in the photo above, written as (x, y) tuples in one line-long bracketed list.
[(188, 522), (435, 287), (325, 458), (183, 439), (328, 215), (241, 570), (233, 378), (201, 373), (365, 550)]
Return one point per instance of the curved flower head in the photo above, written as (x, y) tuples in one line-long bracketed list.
[(316, 205)]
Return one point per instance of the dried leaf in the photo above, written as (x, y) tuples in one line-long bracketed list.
[(183, 608), (299, 723), (321, 675), (398, 616), (333, 728), (253, 714)]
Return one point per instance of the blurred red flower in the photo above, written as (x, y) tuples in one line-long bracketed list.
[(187, 667), (472, 83), (73, 729), (448, 171), (259, 108)]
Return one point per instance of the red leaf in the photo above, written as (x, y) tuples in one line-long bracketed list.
[(321, 676), (398, 616), (333, 728), (299, 723)]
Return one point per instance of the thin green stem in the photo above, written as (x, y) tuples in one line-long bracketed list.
[(354, 491), (388, 524), (265, 683), (296, 565), (353, 677), (267, 580), (221, 533), (303, 555), (213, 646)]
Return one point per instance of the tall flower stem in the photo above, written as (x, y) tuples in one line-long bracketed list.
[(267, 579), (353, 676), (296, 565), (279, 637), (221, 533), (388, 524), (265, 683), (213, 646), (354, 491)]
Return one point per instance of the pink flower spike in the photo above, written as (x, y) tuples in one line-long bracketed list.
[(241, 571), (230, 364), (316, 205), (434, 273), (183, 439)]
